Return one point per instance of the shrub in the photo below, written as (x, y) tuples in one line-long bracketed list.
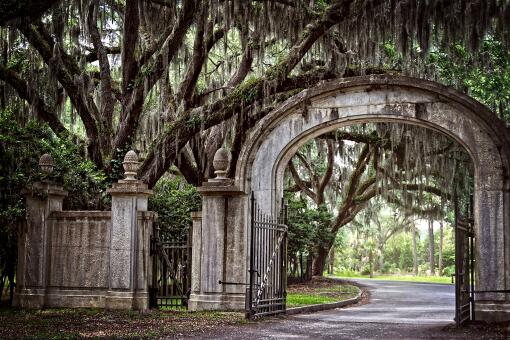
[(173, 201)]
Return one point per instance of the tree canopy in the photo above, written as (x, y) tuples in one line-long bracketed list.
[(177, 79)]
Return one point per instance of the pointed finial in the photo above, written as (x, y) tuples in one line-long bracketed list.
[(221, 163), (46, 164), (130, 165)]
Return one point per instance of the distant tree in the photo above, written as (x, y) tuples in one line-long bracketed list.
[(402, 164)]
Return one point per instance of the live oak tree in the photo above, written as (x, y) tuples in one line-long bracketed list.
[(177, 79), (413, 168)]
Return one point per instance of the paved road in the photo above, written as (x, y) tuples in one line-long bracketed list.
[(399, 302), (396, 310)]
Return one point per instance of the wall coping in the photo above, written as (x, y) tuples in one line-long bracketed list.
[(74, 214)]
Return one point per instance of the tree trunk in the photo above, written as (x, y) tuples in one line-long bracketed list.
[(431, 248), (440, 250), (309, 261), (415, 253), (380, 251), (331, 261), (319, 262), (371, 263)]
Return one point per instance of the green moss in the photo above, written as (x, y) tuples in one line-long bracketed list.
[(247, 92)]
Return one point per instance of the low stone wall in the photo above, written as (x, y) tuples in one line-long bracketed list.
[(85, 258), (76, 269), (78, 249)]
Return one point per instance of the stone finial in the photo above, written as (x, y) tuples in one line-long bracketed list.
[(220, 163), (130, 165), (46, 164)]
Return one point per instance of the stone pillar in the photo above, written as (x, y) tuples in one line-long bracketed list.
[(220, 244), (33, 242), (196, 251), (128, 257)]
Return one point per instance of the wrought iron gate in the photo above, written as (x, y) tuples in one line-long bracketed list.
[(171, 270), (267, 289), (464, 264)]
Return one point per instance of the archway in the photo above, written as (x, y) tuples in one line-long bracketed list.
[(367, 99), (363, 202)]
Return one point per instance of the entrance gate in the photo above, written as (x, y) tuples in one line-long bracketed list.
[(267, 293), (171, 270), (464, 264)]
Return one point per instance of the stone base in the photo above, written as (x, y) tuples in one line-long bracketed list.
[(492, 311), (221, 302), (88, 298), (29, 298), (127, 300)]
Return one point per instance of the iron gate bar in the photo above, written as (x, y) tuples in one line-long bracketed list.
[(266, 293), (464, 264), (171, 276)]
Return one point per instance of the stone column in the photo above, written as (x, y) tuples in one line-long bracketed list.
[(128, 258), (220, 245), (33, 242), (196, 252)]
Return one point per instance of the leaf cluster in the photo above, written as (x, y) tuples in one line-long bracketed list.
[(174, 200), (308, 226)]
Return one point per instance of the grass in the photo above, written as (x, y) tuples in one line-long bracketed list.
[(298, 300), (319, 291), (390, 277)]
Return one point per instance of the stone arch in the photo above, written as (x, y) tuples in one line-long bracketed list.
[(381, 98)]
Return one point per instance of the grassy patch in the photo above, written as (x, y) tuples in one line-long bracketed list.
[(62, 323), (409, 278), (297, 300), (319, 291)]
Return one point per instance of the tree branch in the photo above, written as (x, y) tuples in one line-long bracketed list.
[(92, 56), (300, 182), (107, 98), (129, 64), (191, 121), (66, 71), (186, 168), (200, 51), (134, 107), (34, 99), (16, 9), (329, 172)]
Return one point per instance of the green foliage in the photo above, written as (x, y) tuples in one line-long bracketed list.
[(308, 227), (173, 201), (484, 75), (398, 253), (20, 149), (85, 184), (390, 277)]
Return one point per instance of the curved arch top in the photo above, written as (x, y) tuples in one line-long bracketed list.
[(369, 98), (343, 102)]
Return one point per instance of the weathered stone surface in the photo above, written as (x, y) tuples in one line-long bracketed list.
[(196, 252), (128, 198), (219, 244), (31, 279), (345, 102), (85, 258)]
